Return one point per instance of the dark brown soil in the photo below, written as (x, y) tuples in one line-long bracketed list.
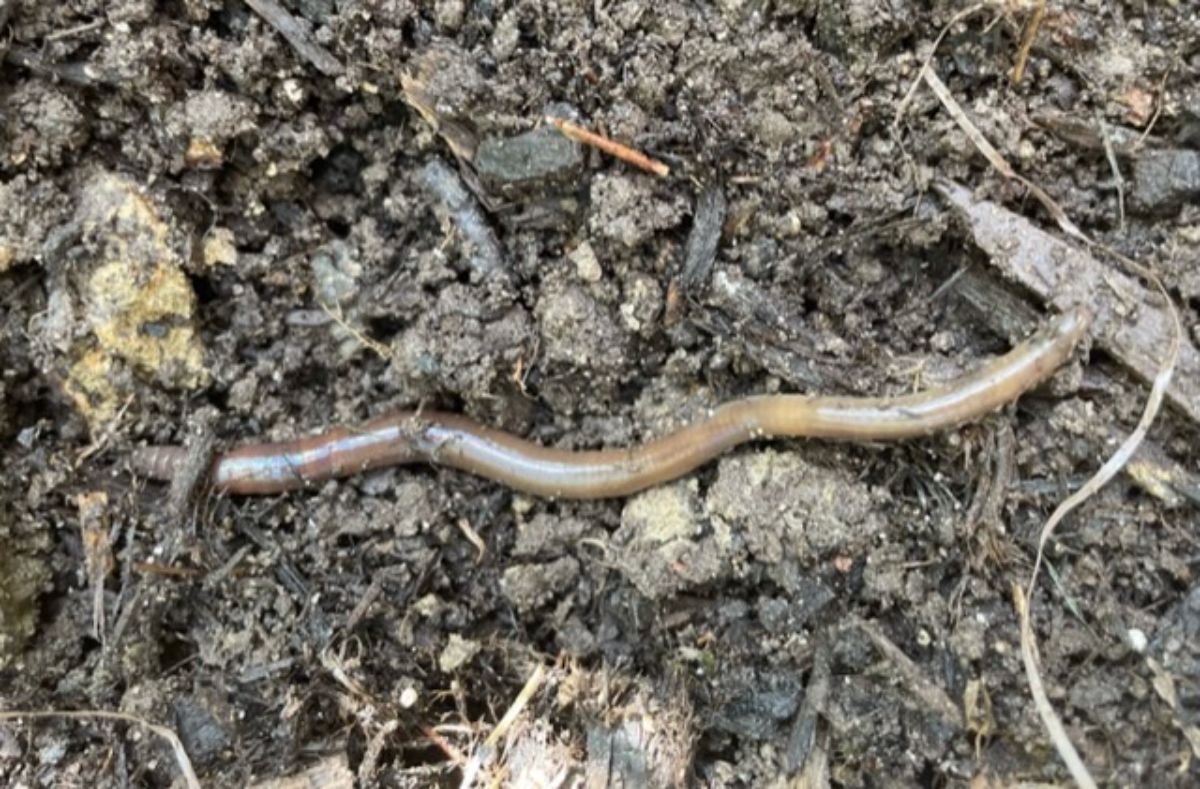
[(210, 234)]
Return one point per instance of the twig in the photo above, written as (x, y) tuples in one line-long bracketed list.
[(486, 753), (922, 688), (611, 147), (1027, 39), (83, 75), (298, 35), (364, 604), (192, 475), (1065, 275), (375, 346), (106, 433), (71, 32), (1158, 105), (167, 570), (1118, 179), (181, 757)]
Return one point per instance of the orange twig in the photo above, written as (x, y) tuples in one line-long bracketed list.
[(611, 147)]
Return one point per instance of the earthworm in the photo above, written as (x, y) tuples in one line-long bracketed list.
[(458, 442)]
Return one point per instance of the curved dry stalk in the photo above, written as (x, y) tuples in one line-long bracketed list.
[(181, 757), (1023, 600)]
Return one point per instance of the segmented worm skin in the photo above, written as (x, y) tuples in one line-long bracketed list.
[(458, 442)]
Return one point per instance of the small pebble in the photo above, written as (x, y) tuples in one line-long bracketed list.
[(458, 652), (586, 264)]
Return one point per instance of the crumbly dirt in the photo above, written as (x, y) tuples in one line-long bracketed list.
[(210, 234)]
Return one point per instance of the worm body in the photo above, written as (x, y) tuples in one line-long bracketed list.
[(458, 442)]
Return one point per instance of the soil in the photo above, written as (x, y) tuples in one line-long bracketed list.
[(211, 233)]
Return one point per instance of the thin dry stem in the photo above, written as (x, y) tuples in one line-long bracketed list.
[(1023, 598), (181, 757), (1027, 39)]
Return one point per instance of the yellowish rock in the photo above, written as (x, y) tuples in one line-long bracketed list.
[(219, 248), (136, 299), (96, 393), (144, 316), (203, 154)]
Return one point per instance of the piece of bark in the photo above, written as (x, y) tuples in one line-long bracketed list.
[(701, 249), (802, 739), (1131, 322), (298, 35), (331, 772), (1004, 311), (192, 474), (762, 324)]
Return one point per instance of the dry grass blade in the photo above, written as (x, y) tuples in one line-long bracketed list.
[(527, 692), (181, 757), (994, 158), (1023, 601), (486, 752), (1054, 727), (1159, 100), (902, 107), (972, 131)]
